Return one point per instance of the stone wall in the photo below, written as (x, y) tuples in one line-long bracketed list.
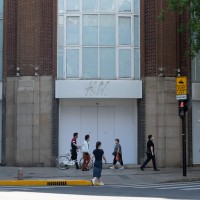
[(28, 121), (162, 120)]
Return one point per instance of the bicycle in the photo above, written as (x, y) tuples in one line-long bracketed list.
[(64, 161), (89, 166)]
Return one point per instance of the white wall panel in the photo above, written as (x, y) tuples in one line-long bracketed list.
[(196, 131), (98, 89), (104, 120)]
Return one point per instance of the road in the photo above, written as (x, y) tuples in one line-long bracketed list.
[(181, 190)]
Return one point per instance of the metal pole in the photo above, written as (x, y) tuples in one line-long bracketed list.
[(184, 145)]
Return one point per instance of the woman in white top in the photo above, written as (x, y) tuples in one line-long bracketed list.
[(86, 154)]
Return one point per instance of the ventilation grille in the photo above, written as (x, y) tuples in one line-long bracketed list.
[(57, 183)]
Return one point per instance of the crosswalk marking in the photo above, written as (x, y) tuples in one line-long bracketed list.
[(195, 185), (191, 189), (179, 187)]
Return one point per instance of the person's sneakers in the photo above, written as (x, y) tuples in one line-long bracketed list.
[(121, 167), (112, 167), (156, 170), (93, 181), (101, 183), (142, 168)]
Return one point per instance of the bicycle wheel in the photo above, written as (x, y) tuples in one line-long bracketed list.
[(90, 165), (62, 162), (81, 162)]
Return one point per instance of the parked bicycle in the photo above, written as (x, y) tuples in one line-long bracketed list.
[(64, 161)]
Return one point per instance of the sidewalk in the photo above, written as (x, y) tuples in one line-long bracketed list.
[(109, 176)]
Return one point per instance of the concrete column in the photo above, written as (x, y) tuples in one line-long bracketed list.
[(29, 121), (162, 120)]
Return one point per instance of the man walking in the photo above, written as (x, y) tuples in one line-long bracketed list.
[(74, 149), (86, 153), (150, 154)]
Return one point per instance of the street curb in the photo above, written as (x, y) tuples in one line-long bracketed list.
[(45, 183)]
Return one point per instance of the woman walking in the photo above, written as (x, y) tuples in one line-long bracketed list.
[(98, 153), (117, 155)]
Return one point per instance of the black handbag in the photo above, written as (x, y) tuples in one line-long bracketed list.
[(114, 153)]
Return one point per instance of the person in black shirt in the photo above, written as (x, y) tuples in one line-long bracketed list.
[(74, 149), (98, 153), (150, 154)]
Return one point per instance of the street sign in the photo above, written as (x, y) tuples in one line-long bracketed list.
[(181, 97), (181, 85), (181, 88)]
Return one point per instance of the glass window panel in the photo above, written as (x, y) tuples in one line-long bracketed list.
[(73, 30), (107, 63), (136, 63), (60, 64), (107, 5), (90, 5), (1, 34), (124, 30), (1, 48), (90, 63), (125, 63), (136, 6), (1, 8), (193, 68), (136, 31), (125, 5), (60, 31), (1, 64), (60, 6), (107, 30), (90, 30), (197, 75), (73, 5), (72, 60)]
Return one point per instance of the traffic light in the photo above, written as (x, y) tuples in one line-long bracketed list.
[(182, 108)]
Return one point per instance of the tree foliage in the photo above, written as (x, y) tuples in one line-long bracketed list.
[(193, 25)]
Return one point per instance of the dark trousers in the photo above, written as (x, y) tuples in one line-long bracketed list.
[(74, 157), (86, 160), (120, 161), (150, 157)]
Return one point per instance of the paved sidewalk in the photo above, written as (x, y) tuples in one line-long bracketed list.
[(109, 176)]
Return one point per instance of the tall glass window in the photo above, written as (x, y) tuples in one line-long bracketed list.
[(124, 30), (90, 5), (124, 5), (1, 38), (72, 5), (196, 68), (73, 30), (98, 39), (72, 63), (107, 30), (90, 63), (90, 30)]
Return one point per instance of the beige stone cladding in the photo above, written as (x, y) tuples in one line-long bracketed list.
[(162, 120), (28, 121)]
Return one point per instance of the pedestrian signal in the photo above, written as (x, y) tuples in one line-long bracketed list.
[(182, 109)]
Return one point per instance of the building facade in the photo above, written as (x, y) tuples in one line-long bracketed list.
[(103, 67), (98, 75)]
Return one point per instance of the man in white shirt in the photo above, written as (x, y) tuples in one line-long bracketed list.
[(86, 153)]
